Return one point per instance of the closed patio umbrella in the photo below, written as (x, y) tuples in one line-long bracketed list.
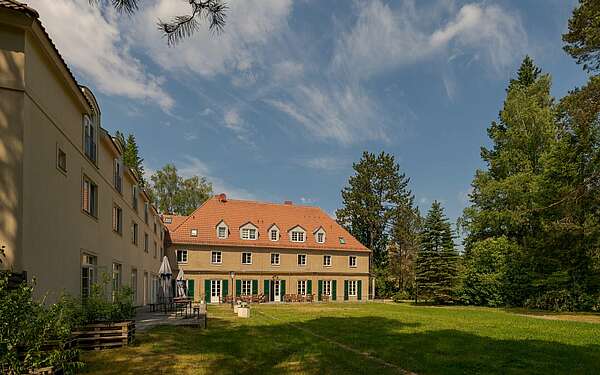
[(181, 292), (165, 274)]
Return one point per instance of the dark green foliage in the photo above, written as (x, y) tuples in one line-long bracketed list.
[(437, 259), (372, 199), (175, 195), (33, 335), (582, 41)]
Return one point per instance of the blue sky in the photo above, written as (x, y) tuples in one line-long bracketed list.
[(280, 105)]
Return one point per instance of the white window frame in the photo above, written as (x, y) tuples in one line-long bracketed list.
[(352, 288), (274, 234), (89, 264), (183, 259), (249, 255), (352, 261), (224, 229), (216, 257), (325, 262), (296, 234), (246, 287), (194, 232), (249, 234), (278, 257), (168, 220), (302, 256), (301, 287), (327, 287)]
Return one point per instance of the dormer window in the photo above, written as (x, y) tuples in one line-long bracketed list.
[(222, 230), (320, 235), (297, 234), (168, 220), (248, 232), (89, 138), (194, 232), (342, 241), (274, 233)]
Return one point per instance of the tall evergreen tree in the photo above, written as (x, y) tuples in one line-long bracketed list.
[(404, 243), (370, 200), (132, 159), (437, 260), (582, 41)]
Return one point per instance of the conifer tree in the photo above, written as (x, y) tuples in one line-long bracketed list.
[(437, 260)]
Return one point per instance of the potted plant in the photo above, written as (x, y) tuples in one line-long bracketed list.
[(243, 310)]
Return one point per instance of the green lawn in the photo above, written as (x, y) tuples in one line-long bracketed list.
[(369, 338)]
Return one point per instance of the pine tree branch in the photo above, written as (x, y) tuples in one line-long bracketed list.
[(180, 27), (122, 6)]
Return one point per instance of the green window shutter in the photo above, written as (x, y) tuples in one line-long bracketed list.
[(225, 288), (308, 286), (333, 290), (282, 289), (319, 289), (359, 289), (207, 291), (254, 286), (345, 290), (190, 289), (238, 288), (266, 290)]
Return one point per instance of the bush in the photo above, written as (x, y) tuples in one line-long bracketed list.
[(34, 336), (98, 307), (401, 296)]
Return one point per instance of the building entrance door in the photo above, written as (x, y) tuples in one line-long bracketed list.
[(276, 290), (215, 291)]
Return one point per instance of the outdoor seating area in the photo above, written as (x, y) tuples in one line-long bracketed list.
[(261, 298), (299, 298)]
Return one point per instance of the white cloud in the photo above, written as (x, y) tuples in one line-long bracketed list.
[(308, 201), (191, 166), (236, 124), (325, 163), (91, 43), (250, 25), (287, 70), (384, 38), (345, 114)]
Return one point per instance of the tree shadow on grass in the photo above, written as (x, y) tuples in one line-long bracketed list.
[(279, 347)]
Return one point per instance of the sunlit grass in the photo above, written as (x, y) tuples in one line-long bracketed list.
[(362, 338)]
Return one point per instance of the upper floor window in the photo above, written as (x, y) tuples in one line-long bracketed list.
[(182, 256), (89, 138), (134, 233), (155, 227), (118, 175), (155, 249), (342, 241), (297, 236), (168, 220), (194, 232), (246, 258), (146, 208), (117, 218), (146, 242), (248, 233), (275, 259), (352, 261), (327, 260), (302, 259), (89, 197), (134, 197), (216, 257), (61, 160), (222, 232)]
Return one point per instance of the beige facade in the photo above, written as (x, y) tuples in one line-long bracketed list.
[(48, 227), (200, 265)]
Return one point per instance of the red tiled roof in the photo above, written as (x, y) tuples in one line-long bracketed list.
[(175, 221), (236, 213)]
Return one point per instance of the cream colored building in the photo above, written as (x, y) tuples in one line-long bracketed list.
[(69, 210), (236, 247)]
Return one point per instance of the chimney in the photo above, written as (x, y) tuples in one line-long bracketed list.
[(289, 203), (222, 197)]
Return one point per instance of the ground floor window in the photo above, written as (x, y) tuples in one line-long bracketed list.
[(352, 287), (134, 278), (246, 287), (302, 287), (88, 273), (117, 277), (327, 287)]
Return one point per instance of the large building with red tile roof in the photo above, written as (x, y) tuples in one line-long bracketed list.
[(230, 247)]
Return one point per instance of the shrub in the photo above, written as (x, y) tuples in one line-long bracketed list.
[(98, 307), (32, 335), (401, 296)]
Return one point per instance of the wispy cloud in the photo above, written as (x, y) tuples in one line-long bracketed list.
[(324, 163), (91, 43), (233, 122), (384, 38), (189, 166)]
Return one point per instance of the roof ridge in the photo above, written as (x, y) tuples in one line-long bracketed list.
[(272, 203)]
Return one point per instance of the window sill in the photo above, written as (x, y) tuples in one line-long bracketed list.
[(89, 215)]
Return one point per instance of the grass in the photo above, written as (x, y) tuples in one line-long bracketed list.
[(359, 339)]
